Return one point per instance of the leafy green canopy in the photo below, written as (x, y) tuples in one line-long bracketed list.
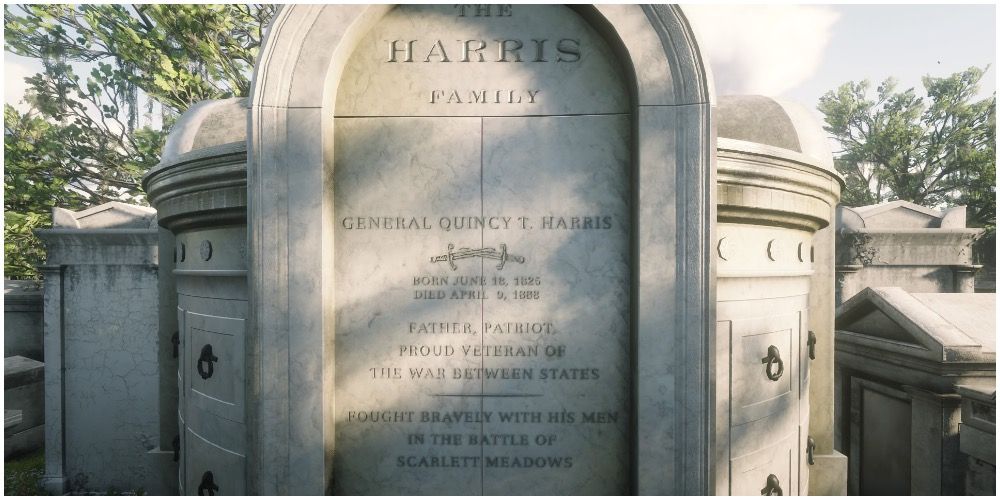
[(897, 146), (80, 143)]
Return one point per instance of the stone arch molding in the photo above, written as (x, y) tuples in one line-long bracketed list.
[(309, 44), (290, 241)]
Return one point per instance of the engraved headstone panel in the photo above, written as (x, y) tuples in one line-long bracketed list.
[(482, 257), (481, 60)]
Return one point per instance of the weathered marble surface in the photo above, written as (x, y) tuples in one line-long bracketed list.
[(978, 437), (525, 183), (571, 290), (199, 190), (294, 121), (110, 384), (776, 189), (757, 124), (100, 337), (828, 475), (23, 396), (443, 60), (913, 351), (22, 319), (902, 244)]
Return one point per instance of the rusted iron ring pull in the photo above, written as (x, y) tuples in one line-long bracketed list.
[(206, 357), (773, 488), (773, 357), (207, 484)]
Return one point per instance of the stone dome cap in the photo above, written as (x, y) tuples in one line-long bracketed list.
[(773, 122), (206, 124)]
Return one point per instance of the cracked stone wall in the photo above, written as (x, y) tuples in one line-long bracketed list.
[(111, 375), (100, 335), (22, 319)]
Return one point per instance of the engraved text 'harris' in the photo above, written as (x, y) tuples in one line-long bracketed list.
[(564, 50)]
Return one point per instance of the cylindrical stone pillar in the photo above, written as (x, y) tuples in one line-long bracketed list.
[(776, 189), (199, 190)]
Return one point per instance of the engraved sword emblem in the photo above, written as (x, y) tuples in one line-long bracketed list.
[(486, 253)]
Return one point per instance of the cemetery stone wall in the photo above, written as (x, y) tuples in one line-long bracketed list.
[(22, 319), (101, 342)]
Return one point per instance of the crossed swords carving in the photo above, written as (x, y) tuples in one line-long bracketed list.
[(486, 253)]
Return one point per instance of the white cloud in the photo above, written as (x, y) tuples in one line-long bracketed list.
[(762, 49)]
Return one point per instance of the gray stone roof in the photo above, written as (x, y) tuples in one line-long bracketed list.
[(944, 327), (206, 124), (974, 314), (902, 215), (773, 122), (110, 215)]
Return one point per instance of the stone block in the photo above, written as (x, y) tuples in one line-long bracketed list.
[(11, 418), (23, 381), (101, 340), (111, 215), (977, 437), (905, 245), (828, 475), (23, 394), (22, 319), (977, 442), (22, 442), (981, 479)]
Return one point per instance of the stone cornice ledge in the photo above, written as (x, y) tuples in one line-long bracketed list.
[(903, 353), (196, 156), (861, 359), (923, 231), (204, 186), (760, 184), (104, 237), (941, 378), (100, 246), (825, 165)]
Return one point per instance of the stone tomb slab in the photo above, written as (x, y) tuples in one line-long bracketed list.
[(482, 262)]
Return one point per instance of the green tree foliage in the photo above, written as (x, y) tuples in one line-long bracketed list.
[(933, 151), (35, 179), (81, 143)]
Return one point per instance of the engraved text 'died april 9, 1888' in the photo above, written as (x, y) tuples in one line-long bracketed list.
[(481, 201)]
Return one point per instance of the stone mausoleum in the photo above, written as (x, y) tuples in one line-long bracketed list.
[(904, 361), (423, 270), (487, 249), (903, 244)]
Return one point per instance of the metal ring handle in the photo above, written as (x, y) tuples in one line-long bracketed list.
[(207, 484), (206, 357), (773, 356), (812, 344), (773, 487), (175, 339)]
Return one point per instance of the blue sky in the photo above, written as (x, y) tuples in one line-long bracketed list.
[(800, 52), (907, 42)]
